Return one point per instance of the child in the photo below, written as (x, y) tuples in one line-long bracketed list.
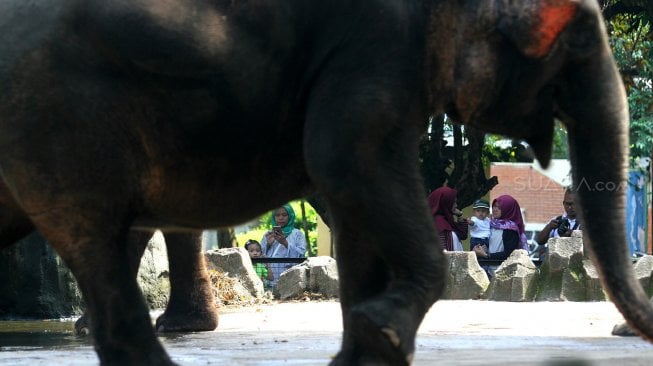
[(254, 249), (480, 224)]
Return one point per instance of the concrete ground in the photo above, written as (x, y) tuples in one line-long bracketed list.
[(469, 332)]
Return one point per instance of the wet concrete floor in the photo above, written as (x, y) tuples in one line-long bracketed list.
[(469, 332)]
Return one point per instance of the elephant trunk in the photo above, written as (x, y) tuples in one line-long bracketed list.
[(594, 108)]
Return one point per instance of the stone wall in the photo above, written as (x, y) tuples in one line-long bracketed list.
[(565, 275), (34, 283)]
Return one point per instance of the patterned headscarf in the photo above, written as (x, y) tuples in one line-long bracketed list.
[(441, 202), (291, 220), (511, 218)]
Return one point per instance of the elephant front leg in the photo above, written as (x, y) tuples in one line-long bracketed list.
[(391, 272), (390, 263), (192, 305)]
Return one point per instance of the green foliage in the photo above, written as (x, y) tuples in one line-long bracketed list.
[(560, 142), (266, 219), (632, 44), (492, 152), (254, 234)]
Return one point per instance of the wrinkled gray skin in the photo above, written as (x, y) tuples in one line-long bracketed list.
[(179, 114)]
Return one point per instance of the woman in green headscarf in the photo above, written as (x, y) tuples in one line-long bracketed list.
[(283, 241)]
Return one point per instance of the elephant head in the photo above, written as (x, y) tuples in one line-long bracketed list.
[(511, 67)]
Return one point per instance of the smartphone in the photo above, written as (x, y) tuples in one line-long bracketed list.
[(276, 228)]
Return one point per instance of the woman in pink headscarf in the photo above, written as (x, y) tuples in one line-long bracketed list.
[(442, 202), (506, 231)]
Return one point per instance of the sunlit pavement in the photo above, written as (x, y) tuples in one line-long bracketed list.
[(453, 333)]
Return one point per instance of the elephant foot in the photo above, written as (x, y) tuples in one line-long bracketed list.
[(81, 326), (195, 321), (380, 332), (623, 330)]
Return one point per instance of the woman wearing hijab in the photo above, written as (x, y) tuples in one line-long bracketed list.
[(442, 202), (506, 231), (283, 241)]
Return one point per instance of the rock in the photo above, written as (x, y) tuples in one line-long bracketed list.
[(229, 290), (466, 279), (153, 274), (623, 330), (34, 282), (573, 284), (235, 262), (643, 268), (323, 276), (515, 279), (593, 288), (561, 270), (564, 251), (292, 282), (316, 274)]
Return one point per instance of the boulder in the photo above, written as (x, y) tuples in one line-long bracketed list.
[(34, 282), (643, 268), (153, 274), (235, 262), (515, 279), (323, 276), (466, 279), (316, 274), (561, 271), (292, 282), (593, 288)]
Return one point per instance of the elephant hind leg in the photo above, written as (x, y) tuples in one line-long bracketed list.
[(192, 305), (135, 249), (14, 224)]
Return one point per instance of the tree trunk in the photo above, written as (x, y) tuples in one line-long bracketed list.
[(305, 228), (433, 161), (227, 238), (468, 176)]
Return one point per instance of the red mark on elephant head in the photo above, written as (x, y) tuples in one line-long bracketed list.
[(554, 15)]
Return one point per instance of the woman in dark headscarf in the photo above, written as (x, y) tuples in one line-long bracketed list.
[(507, 231), (442, 202)]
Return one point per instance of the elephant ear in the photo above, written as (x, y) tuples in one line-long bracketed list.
[(534, 26)]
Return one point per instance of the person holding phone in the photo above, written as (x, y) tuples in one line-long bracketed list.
[(283, 240)]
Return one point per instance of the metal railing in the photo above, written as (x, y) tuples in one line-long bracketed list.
[(481, 261), (497, 262)]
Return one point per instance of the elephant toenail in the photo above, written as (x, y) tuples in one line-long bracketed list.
[(393, 337), (409, 358)]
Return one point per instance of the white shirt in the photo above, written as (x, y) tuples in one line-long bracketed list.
[(496, 241), (296, 249), (480, 229), (457, 245)]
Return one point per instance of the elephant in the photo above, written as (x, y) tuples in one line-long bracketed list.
[(191, 306), (189, 115)]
